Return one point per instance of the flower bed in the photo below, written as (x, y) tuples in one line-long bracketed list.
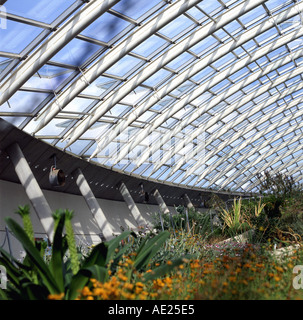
[(239, 271)]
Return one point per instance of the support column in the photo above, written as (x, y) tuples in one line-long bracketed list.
[(32, 189), (161, 202), (163, 207), (188, 202), (131, 205), (106, 232)]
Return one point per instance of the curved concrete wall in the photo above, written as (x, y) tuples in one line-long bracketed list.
[(86, 230)]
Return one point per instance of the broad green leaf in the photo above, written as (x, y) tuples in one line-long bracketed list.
[(97, 272), (97, 256), (77, 283), (34, 255)]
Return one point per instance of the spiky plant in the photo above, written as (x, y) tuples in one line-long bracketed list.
[(24, 212), (70, 237)]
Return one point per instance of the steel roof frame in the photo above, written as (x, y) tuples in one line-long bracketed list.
[(38, 53), (150, 69), (188, 98), (195, 68), (113, 55)]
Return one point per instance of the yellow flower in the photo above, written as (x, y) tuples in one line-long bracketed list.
[(122, 277), (279, 269), (86, 291), (168, 280), (56, 296), (232, 279)]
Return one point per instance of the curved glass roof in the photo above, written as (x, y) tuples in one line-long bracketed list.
[(204, 94)]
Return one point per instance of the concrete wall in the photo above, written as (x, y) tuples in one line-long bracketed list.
[(117, 213)]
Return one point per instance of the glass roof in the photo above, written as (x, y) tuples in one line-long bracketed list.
[(204, 94)]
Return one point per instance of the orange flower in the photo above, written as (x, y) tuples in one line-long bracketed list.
[(56, 296), (279, 269)]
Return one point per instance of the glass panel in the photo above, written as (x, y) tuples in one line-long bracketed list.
[(175, 27), (134, 8), (23, 101), (149, 46), (156, 78), (123, 66), (209, 6), (16, 36), (105, 28), (99, 86), (42, 10), (181, 60), (48, 77), (76, 52), (78, 105)]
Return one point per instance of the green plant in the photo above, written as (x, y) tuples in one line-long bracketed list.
[(193, 221), (24, 212), (233, 218), (276, 190), (34, 278)]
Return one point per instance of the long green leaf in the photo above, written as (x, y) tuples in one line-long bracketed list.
[(82, 278), (114, 243), (97, 272), (97, 256), (150, 249), (56, 263), (3, 295), (12, 273), (34, 255), (77, 282)]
